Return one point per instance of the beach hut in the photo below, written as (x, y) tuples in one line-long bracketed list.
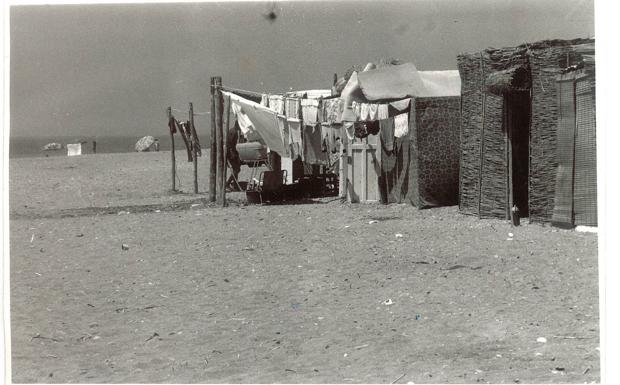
[(511, 112), (417, 164)]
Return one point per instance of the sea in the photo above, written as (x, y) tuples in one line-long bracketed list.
[(27, 147)]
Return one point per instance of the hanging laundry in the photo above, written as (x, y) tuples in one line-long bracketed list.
[(361, 131), (264, 120), (312, 153), (292, 107), (172, 125), (264, 100), (357, 110), (245, 124), (325, 137), (382, 112), (373, 127), (336, 135), (400, 105), (387, 133), (195, 138), (276, 103), (364, 112), (401, 125), (284, 132), (372, 111), (349, 129), (295, 140), (332, 110), (184, 135), (310, 110)]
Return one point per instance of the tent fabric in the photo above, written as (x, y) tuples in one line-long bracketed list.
[(264, 121), (391, 82), (422, 167), (397, 82), (310, 94)]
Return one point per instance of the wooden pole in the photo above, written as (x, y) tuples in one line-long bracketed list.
[(219, 136), (192, 129), (213, 152), (225, 146), (172, 159)]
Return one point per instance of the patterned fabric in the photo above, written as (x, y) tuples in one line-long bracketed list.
[(332, 110), (436, 149), (292, 107), (276, 103)]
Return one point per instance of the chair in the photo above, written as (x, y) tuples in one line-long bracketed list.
[(269, 187)]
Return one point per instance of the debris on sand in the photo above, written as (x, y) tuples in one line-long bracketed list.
[(398, 379), (125, 247), (398, 235), (542, 340), (151, 337), (388, 301)]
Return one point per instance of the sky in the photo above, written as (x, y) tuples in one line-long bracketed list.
[(112, 69)]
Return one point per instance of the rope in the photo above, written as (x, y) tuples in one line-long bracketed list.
[(231, 89), (195, 113)]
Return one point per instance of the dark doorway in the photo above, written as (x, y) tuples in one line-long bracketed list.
[(517, 112)]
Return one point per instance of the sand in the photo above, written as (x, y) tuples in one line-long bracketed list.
[(312, 293)]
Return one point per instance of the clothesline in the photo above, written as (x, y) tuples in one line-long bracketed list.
[(231, 89), (195, 113)]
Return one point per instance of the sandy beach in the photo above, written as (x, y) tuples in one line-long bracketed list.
[(323, 292)]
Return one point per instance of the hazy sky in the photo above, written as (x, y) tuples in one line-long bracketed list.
[(113, 69)]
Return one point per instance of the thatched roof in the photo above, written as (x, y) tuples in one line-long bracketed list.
[(515, 78)]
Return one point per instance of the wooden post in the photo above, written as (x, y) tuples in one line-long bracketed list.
[(213, 151), (194, 142), (172, 159), (219, 136), (225, 146)]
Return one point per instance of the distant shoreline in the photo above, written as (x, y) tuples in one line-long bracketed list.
[(32, 147)]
